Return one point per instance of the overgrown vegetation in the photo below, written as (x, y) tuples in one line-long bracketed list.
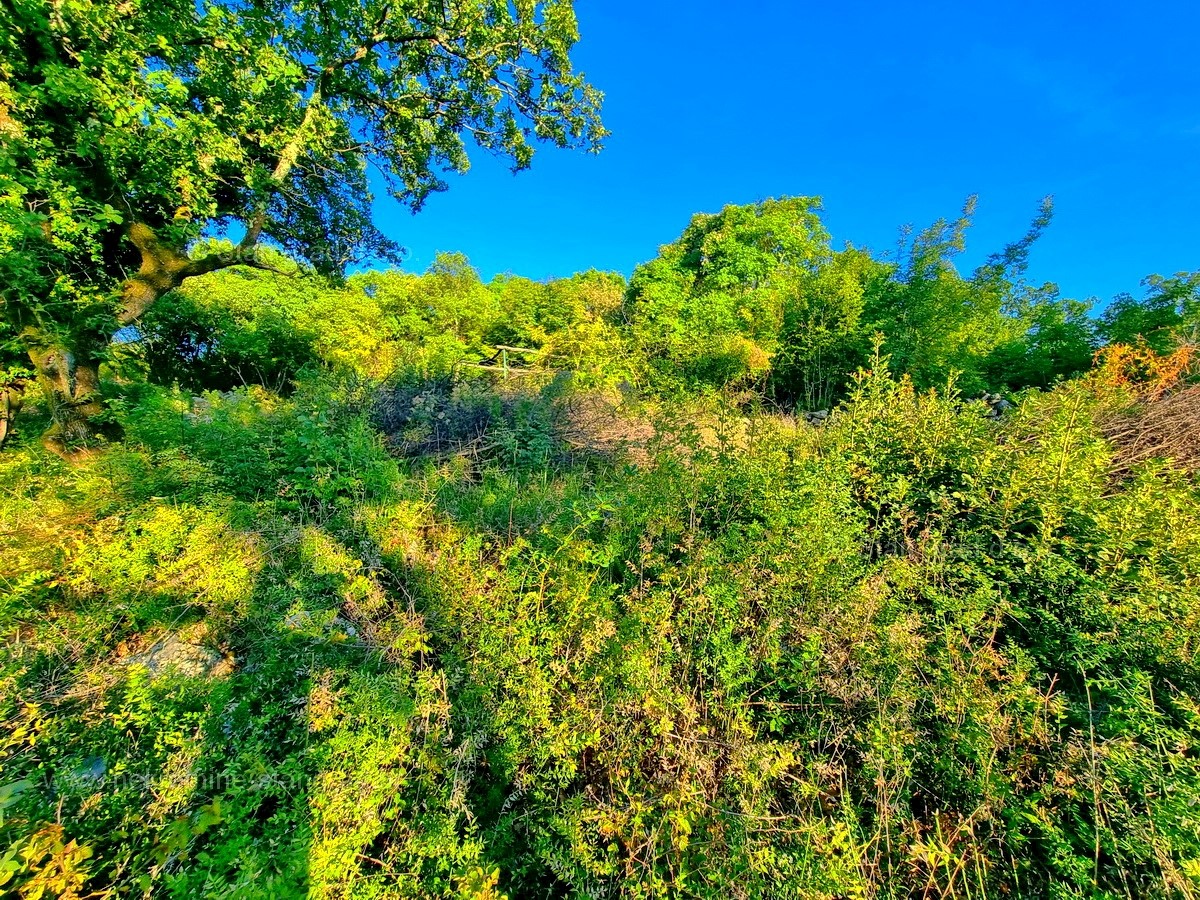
[(129, 130), (778, 571), (420, 586)]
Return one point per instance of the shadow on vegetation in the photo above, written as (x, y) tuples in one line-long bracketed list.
[(915, 650)]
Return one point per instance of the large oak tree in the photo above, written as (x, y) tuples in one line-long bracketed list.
[(130, 128)]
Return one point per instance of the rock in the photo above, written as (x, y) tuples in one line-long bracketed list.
[(200, 410), (298, 620), (175, 655), (90, 771)]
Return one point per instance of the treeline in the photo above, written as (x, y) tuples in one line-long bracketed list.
[(250, 327), (753, 298)]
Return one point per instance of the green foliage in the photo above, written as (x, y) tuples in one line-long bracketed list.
[(708, 309), (237, 329), (364, 606), (1170, 312), (914, 651), (1059, 343), (755, 296), (244, 327), (824, 337), (128, 131), (185, 112), (992, 329)]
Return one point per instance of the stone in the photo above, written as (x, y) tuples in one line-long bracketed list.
[(200, 410), (172, 654), (90, 771)]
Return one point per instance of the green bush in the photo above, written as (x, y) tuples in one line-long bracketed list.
[(423, 645)]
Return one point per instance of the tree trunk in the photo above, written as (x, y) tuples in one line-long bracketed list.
[(68, 365), (70, 380), (11, 396)]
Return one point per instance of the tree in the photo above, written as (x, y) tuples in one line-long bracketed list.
[(935, 321), (1168, 314), (823, 341), (129, 129), (1059, 342), (710, 306)]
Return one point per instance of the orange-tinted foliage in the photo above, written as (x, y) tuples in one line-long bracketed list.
[(1139, 369), (1163, 422)]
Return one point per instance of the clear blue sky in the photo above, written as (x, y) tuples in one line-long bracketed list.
[(891, 112)]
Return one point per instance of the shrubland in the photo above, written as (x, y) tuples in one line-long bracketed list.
[(778, 570), (419, 585)]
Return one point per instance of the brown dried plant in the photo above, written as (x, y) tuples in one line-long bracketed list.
[(1160, 418)]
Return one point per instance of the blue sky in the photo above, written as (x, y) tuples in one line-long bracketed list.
[(893, 113)]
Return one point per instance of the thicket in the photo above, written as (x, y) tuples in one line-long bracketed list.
[(542, 589), (781, 570)]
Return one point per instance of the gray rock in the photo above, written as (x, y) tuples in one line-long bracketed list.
[(298, 620), (173, 654), (200, 410), (996, 405), (90, 771)]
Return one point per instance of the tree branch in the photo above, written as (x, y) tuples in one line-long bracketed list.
[(165, 268)]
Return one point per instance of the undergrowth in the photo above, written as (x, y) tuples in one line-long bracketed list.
[(915, 652)]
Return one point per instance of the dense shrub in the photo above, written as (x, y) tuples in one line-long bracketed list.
[(417, 586), (916, 651)]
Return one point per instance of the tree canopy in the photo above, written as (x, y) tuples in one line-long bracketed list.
[(130, 129), (757, 295)]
